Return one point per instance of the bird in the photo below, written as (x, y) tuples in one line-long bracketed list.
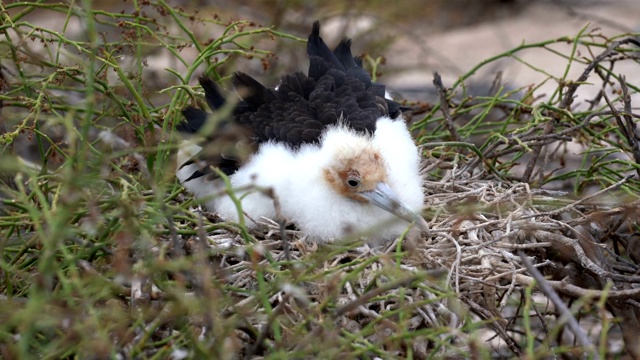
[(331, 145)]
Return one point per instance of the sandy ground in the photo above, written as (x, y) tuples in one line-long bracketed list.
[(454, 52)]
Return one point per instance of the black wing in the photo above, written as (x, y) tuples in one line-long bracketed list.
[(227, 147), (302, 106)]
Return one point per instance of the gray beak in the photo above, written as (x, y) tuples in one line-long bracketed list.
[(383, 197)]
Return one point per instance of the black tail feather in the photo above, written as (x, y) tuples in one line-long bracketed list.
[(221, 140), (214, 98), (252, 92), (195, 119), (317, 47), (343, 54), (317, 67)]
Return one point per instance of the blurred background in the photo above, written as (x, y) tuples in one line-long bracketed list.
[(415, 37), (419, 37)]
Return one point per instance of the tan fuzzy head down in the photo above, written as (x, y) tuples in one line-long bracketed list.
[(356, 171)]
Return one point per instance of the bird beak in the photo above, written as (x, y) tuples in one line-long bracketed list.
[(383, 197)]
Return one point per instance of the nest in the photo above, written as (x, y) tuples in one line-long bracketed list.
[(492, 244)]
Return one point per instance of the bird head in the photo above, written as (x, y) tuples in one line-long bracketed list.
[(358, 172)]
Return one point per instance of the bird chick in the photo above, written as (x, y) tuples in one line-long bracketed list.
[(332, 147)]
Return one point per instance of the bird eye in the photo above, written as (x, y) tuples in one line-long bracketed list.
[(353, 183)]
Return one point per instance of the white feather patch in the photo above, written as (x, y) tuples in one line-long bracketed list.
[(306, 198)]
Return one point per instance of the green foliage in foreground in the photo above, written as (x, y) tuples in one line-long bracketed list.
[(102, 254)]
